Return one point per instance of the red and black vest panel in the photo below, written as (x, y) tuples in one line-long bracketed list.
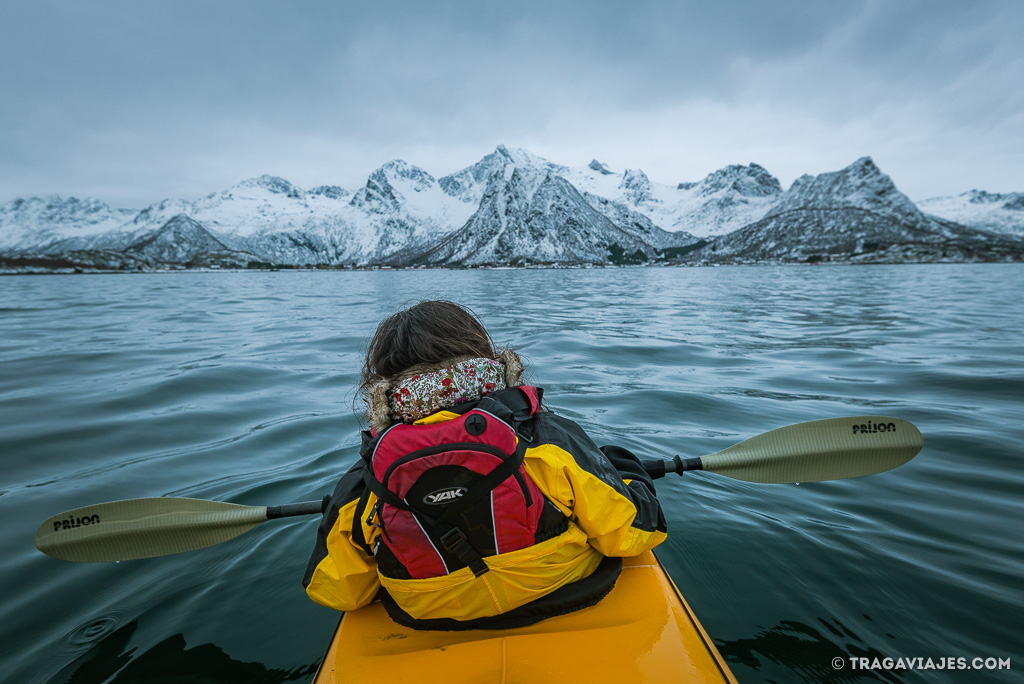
[(453, 492)]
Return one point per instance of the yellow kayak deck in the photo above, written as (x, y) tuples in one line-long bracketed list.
[(643, 631)]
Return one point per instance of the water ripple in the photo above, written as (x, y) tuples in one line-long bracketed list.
[(94, 630), (240, 387)]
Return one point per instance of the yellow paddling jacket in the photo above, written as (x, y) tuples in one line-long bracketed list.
[(599, 505)]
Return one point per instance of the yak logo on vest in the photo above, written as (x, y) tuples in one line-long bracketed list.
[(443, 496)]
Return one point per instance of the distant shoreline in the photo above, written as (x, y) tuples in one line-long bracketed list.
[(532, 267)]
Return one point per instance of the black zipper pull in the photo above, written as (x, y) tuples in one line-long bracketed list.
[(374, 513)]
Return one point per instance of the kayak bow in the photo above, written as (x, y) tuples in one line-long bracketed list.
[(643, 631)]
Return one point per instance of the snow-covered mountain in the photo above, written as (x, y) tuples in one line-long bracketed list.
[(852, 214), (998, 213), (177, 242), (512, 207), (37, 221), (470, 184), (549, 223), (400, 206), (722, 202), (527, 211)]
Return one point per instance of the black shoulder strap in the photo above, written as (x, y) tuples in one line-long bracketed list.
[(357, 521), (518, 401), (384, 494)]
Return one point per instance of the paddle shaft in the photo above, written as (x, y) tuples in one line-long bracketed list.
[(300, 508), (660, 468)]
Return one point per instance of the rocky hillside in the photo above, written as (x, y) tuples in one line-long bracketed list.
[(856, 214)]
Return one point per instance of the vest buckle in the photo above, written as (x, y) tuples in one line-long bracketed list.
[(454, 542)]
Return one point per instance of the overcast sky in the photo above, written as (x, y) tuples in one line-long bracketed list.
[(132, 102)]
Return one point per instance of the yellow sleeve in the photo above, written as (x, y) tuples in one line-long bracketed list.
[(346, 577), (607, 515)]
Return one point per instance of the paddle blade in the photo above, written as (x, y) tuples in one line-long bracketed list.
[(143, 528), (831, 449)]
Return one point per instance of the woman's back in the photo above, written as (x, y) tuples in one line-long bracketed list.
[(471, 506)]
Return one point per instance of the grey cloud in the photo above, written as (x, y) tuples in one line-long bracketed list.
[(179, 98)]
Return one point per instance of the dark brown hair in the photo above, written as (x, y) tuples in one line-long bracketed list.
[(427, 334)]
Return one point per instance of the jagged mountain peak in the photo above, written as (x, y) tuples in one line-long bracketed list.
[(1007, 200), (161, 212), (180, 226), (1013, 201), (274, 184), (864, 165), (504, 151), (533, 167), (180, 240), (601, 168), (861, 174), (531, 215), (55, 205), (37, 221), (861, 185), (469, 184), (182, 221), (383, 191), (750, 181), (634, 178), (846, 213), (331, 191), (636, 186), (397, 171), (864, 168), (520, 157), (981, 197)]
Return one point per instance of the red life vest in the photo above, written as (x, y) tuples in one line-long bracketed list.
[(454, 492)]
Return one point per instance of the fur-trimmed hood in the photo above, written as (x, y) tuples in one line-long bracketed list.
[(385, 406)]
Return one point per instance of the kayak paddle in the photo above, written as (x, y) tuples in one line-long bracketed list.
[(830, 449), (143, 528)]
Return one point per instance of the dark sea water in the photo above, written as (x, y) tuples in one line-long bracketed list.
[(239, 387)]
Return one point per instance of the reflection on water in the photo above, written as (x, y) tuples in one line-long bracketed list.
[(800, 652), (168, 662)]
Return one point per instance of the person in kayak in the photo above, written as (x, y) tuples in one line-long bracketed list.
[(472, 506)]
